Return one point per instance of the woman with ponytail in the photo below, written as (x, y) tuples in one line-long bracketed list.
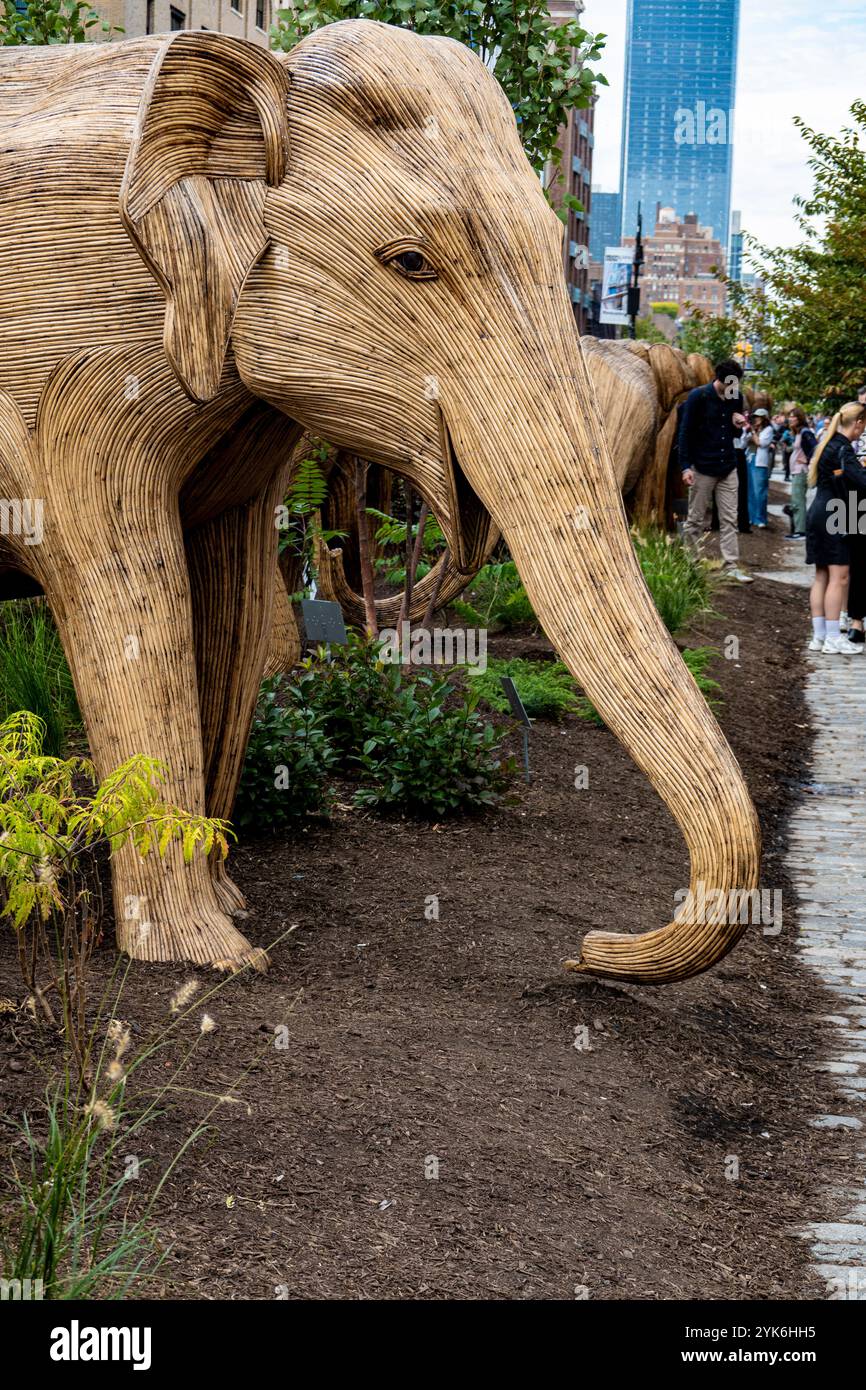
[(841, 482)]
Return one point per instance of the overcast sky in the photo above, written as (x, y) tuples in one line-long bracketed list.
[(800, 57)]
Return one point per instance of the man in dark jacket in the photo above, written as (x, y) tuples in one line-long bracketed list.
[(711, 418)]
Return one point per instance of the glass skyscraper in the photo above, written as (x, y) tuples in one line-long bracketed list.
[(678, 109), (605, 219)]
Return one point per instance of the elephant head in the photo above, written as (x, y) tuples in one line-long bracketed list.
[(393, 280)]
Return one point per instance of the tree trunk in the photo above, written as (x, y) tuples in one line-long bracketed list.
[(364, 553)]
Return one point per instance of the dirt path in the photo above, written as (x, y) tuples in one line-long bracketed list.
[(431, 1130)]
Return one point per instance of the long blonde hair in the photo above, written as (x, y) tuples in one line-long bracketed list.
[(843, 419)]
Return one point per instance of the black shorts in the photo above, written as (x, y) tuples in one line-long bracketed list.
[(824, 546)]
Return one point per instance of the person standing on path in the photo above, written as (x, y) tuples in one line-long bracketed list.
[(802, 450), (841, 484), (761, 436), (710, 418), (740, 437)]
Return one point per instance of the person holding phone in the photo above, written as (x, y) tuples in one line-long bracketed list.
[(711, 417), (760, 449)]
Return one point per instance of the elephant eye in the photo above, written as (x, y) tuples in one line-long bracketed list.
[(408, 259)]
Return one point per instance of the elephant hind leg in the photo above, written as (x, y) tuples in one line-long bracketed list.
[(232, 561)]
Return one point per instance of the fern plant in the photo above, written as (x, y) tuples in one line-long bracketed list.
[(391, 532), (546, 688), (300, 521)]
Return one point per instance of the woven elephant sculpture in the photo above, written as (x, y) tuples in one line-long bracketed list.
[(206, 248)]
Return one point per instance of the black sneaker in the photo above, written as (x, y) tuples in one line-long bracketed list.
[(856, 635)]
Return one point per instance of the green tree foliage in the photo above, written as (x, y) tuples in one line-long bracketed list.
[(48, 21), (815, 331), (544, 67), (713, 335), (647, 331)]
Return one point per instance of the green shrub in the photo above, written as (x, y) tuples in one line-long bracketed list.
[(679, 581), (288, 758), (413, 742), (34, 675), (429, 757), (496, 598), (352, 689), (545, 687)]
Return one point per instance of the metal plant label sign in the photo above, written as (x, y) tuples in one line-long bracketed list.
[(323, 622)]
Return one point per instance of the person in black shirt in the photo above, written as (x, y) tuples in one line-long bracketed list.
[(711, 417), (834, 518)]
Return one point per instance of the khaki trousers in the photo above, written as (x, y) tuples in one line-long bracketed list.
[(701, 500)]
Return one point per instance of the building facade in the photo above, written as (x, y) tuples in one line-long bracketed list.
[(243, 19), (605, 223), (575, 144), (678, 110), (681, 262)]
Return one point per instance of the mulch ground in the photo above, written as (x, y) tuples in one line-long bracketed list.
[(420, 1047)]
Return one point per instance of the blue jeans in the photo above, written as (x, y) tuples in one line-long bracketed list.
[(759, 485)]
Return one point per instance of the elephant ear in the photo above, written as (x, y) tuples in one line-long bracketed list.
[(211, 134)]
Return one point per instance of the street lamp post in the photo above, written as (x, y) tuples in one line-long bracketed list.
[(634, 287)]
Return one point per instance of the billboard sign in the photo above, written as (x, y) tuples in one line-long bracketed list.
[(618, 262)]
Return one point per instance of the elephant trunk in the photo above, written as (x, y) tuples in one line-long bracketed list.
[(565, 525)]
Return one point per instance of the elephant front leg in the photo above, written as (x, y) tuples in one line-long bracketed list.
[(123, 607)]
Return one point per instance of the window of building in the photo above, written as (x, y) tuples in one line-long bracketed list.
[(261, 14), (148, 22), (178, 18), (238, 6)]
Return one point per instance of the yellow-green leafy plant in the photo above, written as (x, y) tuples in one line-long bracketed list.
[(55, 819)]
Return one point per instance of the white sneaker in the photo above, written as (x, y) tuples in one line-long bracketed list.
[(740, 576), (817, 644), (840, 646)]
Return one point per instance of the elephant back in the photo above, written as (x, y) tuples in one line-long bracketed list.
[(67, 119)]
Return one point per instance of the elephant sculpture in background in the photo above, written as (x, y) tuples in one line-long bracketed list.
[(207, 248), (638, 387)]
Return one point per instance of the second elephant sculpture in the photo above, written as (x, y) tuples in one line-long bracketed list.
[(638, 387)]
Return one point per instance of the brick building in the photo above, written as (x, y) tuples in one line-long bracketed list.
[(681, 259), (243, 19), (575, 143)]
